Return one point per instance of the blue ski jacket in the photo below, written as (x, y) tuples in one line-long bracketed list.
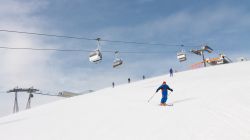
[(164, 89)]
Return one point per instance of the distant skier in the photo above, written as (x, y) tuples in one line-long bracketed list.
[(164, 89), (113, 84), (143, 77), (171, 72), (128, 80)]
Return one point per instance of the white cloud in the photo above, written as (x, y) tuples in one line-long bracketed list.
[(21, 67)]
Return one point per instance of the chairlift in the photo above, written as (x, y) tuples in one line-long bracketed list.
[(96, 55), (181, 56), (117, 62)]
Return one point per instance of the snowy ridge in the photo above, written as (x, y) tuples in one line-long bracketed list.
[(210, 103)]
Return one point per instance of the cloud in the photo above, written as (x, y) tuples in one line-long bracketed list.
[(21, 67)]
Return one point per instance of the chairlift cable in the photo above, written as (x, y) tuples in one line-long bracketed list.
[(46, 94), (140, 43), (98, 39), (49, 35), (76, 50)]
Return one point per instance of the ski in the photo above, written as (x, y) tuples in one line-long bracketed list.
[(166, 104)]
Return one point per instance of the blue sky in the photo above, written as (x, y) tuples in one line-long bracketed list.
[(222, 24)]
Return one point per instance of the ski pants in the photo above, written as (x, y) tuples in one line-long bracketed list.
[(164, 98)]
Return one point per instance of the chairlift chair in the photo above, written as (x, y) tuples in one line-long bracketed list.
[(181, 56), (95, 56), (117, 62)]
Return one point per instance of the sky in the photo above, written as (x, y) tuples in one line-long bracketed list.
[(224, 25)]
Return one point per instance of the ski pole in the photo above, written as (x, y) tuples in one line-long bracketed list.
[(151, 97)]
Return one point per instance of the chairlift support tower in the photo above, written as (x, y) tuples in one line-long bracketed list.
[(201, 52), (16, 90)]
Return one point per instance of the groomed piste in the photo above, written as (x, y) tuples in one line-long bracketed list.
[(210, 103)]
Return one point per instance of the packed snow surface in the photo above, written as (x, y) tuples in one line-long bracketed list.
[(210, 103)]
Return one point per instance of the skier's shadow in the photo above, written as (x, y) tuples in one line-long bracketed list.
[(183, 100)]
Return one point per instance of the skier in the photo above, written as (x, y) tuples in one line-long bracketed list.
[(171, 72), (143, 77), (113, 84), (128, 80), (164, 89)]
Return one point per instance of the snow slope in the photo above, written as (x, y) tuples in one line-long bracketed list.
[(209, 104)]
